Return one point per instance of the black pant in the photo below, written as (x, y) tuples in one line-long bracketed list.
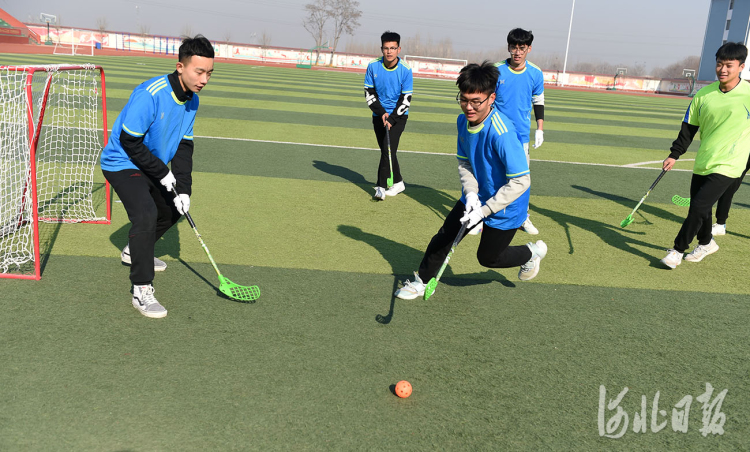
[(384, 170), (493, 251), (704, 192), (725, 201), (151, 212)]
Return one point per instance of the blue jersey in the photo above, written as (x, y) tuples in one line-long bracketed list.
[(496, 156), (515, 92), (390, 84), (154, 113)]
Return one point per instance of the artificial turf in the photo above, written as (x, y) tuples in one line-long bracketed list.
[(496, 364)]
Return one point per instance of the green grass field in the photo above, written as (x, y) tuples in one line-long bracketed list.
[(284, 170)]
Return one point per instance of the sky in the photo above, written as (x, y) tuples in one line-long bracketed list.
[(653, 33)]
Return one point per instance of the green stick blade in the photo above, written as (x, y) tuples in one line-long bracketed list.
[(238, 292), (389, 182), (626, 221), (680, 201), (429, 289)]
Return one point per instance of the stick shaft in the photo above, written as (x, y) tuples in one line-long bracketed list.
[(453, 249), (663, 172), (200, 239)]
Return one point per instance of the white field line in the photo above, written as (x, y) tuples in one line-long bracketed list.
[(629, 165)]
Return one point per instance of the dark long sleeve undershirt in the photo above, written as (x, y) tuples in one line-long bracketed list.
[(684, 138)]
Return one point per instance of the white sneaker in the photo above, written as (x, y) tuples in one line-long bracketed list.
[(702, 251), (673, 258), (528, 227), (530, 269), (379, 193), (397, 188), (719, 229), (411, 290), (159, 265), (145, 302), (477, 229)]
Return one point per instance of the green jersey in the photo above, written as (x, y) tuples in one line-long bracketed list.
[(724, 121)]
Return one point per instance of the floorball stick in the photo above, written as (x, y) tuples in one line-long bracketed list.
[(629, 219), (432, 285), (389, 182), (227, 287), (680, 201)]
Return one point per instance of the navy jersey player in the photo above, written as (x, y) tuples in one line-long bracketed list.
[(495, 180), (520, 86), (154, 130), (389, 86)]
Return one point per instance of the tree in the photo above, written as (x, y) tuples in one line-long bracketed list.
[(187, 31), (265, 39), (344, 14), (315, 22), (144, 31), (101, 24)]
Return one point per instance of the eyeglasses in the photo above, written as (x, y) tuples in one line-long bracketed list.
[(392, 49), (518, 49), (475, 104)]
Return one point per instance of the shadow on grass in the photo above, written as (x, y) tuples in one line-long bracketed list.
[(435, 200), (167, 245), (404, 259), (630, 204), (612, 235)]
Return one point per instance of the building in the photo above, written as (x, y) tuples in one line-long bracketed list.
[(728, 20)]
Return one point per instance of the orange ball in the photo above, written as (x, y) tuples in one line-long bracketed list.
[(403, 389)]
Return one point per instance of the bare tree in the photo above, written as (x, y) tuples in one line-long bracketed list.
[(674, 70), (265, 39), (101, 24), (227, 36), (344, 14), (144, 31), (315, 22), (187, 30)]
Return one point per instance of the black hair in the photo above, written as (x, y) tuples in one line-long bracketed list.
[(198, 46), (732, 51), (390, 36), (478, 78), (520, 37)]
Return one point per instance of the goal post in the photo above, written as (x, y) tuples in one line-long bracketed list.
[(74, 42), (53, 127), (435, 67)]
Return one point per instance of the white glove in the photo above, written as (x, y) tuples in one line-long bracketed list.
[(472, 218), (472, 202), (182, 202), (168, 181), (538, 138)]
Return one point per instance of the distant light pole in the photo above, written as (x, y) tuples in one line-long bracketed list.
[(570, 28)]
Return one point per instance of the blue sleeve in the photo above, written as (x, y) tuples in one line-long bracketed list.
[(538, 84), (407, 86), (189, 132), (512, 155), (140, 114), (460, 127), (369, 83)]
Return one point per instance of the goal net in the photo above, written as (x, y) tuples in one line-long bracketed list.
[(74, 42), (435, 67), (53, 123)]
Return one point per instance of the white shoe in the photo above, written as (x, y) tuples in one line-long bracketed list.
[(159, 265), (530, 269), (379, 193), (673, 258), (528, 227), (719, 229), (145, 302), (411, 290), (397, 188), (702, 251), (477, 229)]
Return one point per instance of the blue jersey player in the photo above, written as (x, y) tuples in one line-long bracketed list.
[(154, 129), (520, 86), (495, 179), (389, 86)]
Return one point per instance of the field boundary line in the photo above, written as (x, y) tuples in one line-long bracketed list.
[(629, 165)]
